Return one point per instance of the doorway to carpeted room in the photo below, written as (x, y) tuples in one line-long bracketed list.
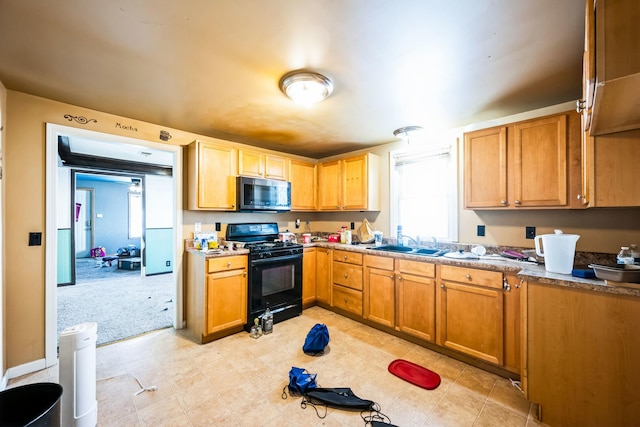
[(122, 302)]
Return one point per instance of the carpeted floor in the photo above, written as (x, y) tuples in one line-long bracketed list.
[(122, 302)]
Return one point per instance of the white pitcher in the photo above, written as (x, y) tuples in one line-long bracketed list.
[(559, 251)]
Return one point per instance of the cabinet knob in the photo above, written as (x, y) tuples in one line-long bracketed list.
[(233, 205), (228, 264), (338, 207), (345, 257), (391, 277), (503, 202), (468, 276), (345, 300), (345, 275), (518, 202), (399, 277), (442, 286), (244, 274)]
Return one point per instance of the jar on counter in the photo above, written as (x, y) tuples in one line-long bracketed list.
[(624, 256)]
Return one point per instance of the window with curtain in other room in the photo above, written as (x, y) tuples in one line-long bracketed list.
[(424, 193)]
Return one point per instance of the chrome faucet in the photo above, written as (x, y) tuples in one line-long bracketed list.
[(414, 241), (434, 242)]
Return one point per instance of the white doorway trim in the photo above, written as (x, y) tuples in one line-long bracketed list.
[(51, 225)]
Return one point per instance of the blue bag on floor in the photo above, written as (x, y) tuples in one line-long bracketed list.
[(317, 339), (301, 381)]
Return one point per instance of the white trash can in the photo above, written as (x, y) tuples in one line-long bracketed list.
[(79, 407)]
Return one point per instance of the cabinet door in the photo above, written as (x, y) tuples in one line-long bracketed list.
[(513, 324), (212, 176), (329, 195), (275, 167), (226, 300), (540, 162), (354, 183), (485, 168), (323, 275), (308, 276), (615, 161), (303, 185), (250, 163), (416, 306), (380, 296), (471, 321)]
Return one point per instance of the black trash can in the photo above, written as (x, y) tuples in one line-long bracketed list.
[(32, 405)]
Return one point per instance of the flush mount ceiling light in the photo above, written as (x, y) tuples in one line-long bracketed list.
[(306, 87), (407, 132)]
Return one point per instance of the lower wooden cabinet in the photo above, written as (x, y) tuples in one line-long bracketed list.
[(581, 363), (308, 276), (416, 284), (216, 296), (471, 312), (379, 290), (323, 275), (346, 272)]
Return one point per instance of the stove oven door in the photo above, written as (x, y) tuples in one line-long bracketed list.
[(276, 282)]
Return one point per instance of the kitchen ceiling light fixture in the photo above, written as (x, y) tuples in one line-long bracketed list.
[(407, 132), (306, 87)]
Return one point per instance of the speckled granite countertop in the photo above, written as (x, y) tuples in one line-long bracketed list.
[(524, 270), (213, 253)]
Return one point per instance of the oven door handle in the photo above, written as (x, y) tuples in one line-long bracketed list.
[(276, 259)]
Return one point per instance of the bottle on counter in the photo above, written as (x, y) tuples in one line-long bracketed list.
[(635, 253), (400, 239), (256, 329), (267, 321), (624, 256)]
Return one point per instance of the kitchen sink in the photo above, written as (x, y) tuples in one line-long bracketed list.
[(409, 250), (393, 248)]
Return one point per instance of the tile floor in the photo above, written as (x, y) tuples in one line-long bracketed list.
[(238, 381)]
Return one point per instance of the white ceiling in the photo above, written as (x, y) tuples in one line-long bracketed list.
[(212, 67)]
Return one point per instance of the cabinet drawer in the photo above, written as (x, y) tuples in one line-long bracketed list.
[(347, 299), (418, 268), (350, 257), (381, 262), (226, 263), (490, 279), (348, 275)]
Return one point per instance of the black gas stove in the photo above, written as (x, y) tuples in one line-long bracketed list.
[(275, 271)]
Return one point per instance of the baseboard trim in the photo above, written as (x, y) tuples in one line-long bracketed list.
[(26, 368)]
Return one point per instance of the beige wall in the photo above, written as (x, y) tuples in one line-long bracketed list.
[(24, 187)]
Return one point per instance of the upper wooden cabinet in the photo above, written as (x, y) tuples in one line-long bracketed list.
[(612, 163), (612, 87), (303, 178), (211, 176), (530, 164), (349, 184), (261, 165)]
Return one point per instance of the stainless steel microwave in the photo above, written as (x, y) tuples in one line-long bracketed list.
[(257, 194)]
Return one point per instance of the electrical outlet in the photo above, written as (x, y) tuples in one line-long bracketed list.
[(298, 223), (197, 227), (218, 226), (35, 239), (480, 231), (168, 263), (530, 232), (353, 225)]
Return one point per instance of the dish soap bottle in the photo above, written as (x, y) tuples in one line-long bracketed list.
[(267, 321), (400, 238), (624, 257), (256, 329)]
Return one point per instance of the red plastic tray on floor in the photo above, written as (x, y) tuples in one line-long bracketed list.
[(415, 374)]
